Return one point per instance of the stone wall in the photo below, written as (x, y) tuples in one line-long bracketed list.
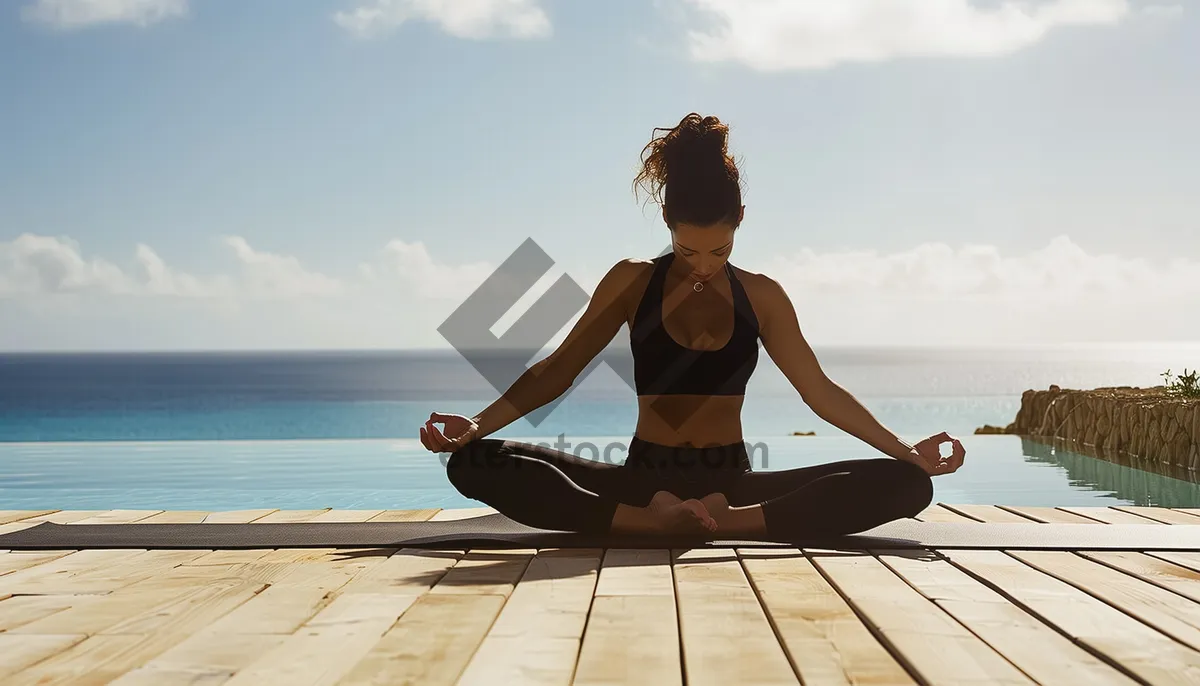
[(1141, 422)]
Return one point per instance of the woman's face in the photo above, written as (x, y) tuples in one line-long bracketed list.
[(705, 249)]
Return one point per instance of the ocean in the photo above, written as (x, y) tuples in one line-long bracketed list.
[(339, 429)]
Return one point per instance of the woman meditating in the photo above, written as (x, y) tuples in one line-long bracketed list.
[(694, 325)]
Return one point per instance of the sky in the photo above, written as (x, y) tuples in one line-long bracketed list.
[(222, 174)]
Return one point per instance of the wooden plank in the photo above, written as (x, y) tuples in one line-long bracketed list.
[(18, 652), (1109, 515), (461, 513), (346, 516), (1188, 559), (1124, 641), (1184, 581), (552, 598), (486, 572), (826, 641), (20, 610), (237, 516), (103, 612), (330, 644), (177, 517), (7, 516), (430, 644), (262, 624), (1039, 651), (22, 559), (536, 638), (1161, 514), (1048, 515), (630, 639), (103, 657), (212, 660), (286, 516), (327, 572), (634, 597), (1152, 604), (58, 573), (989, 513), (636, 572), (933, 645), (118, 517), (718, 609), (228, 557), (64, 516), (409, 571), (939, 512), (405, 515), (117, 572)]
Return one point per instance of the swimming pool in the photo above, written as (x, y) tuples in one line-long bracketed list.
[(400, 474)]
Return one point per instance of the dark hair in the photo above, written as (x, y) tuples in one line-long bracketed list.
[(688, 171)]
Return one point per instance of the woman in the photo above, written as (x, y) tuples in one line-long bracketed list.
[(694, 322)]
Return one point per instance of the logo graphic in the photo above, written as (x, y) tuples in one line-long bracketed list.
[(503, 359)]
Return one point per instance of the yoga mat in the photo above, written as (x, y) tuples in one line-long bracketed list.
[(498, 531)]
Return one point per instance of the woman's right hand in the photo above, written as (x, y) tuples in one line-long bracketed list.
[(459, 431)]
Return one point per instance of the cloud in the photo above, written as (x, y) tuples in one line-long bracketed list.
[(474, 19), (275, 276), (410, 267), (41, 266), (77, 14), (1061, 272), (1165, 11), (776, 35), (53, 294)]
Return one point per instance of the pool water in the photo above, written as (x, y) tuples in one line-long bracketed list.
[(401, 474)]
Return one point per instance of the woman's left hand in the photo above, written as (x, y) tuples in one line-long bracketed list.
[(927, 454)]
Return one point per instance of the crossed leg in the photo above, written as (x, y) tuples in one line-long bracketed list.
[(829, 499), (549, 489)]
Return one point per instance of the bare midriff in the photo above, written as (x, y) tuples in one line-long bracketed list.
[(690, 420)]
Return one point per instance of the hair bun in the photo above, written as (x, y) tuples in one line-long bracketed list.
[(696, 143), (687, 169)]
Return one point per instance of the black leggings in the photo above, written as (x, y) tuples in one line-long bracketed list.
[(549, 489)]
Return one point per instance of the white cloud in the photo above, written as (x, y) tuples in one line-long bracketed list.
[(410, 266), (33, 266), (775, 35), (273, 276), (1060, 272), (42, 264), (54, 294), (76, 14), (1165, 11), (475, 19)]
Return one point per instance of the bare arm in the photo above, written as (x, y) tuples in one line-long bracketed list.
[(788, 348), (551, 377)]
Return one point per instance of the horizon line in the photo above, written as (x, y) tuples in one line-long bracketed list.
[(449, 349)]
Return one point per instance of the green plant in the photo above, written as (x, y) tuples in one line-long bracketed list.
[(1186, 385)]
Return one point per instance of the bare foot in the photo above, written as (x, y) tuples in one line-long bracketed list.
[(676, 515), (734, 521), (717, 506)]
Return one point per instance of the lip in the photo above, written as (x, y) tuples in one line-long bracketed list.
[(702, 277)]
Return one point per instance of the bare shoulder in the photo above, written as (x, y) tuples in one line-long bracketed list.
[(625, 281), (765, 293)]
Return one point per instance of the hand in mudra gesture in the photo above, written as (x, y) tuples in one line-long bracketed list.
[(458, 431), (927, 454)]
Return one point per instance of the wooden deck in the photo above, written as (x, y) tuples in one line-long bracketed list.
[(660, 617)]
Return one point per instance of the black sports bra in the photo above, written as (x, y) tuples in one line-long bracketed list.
[(663, 367)]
